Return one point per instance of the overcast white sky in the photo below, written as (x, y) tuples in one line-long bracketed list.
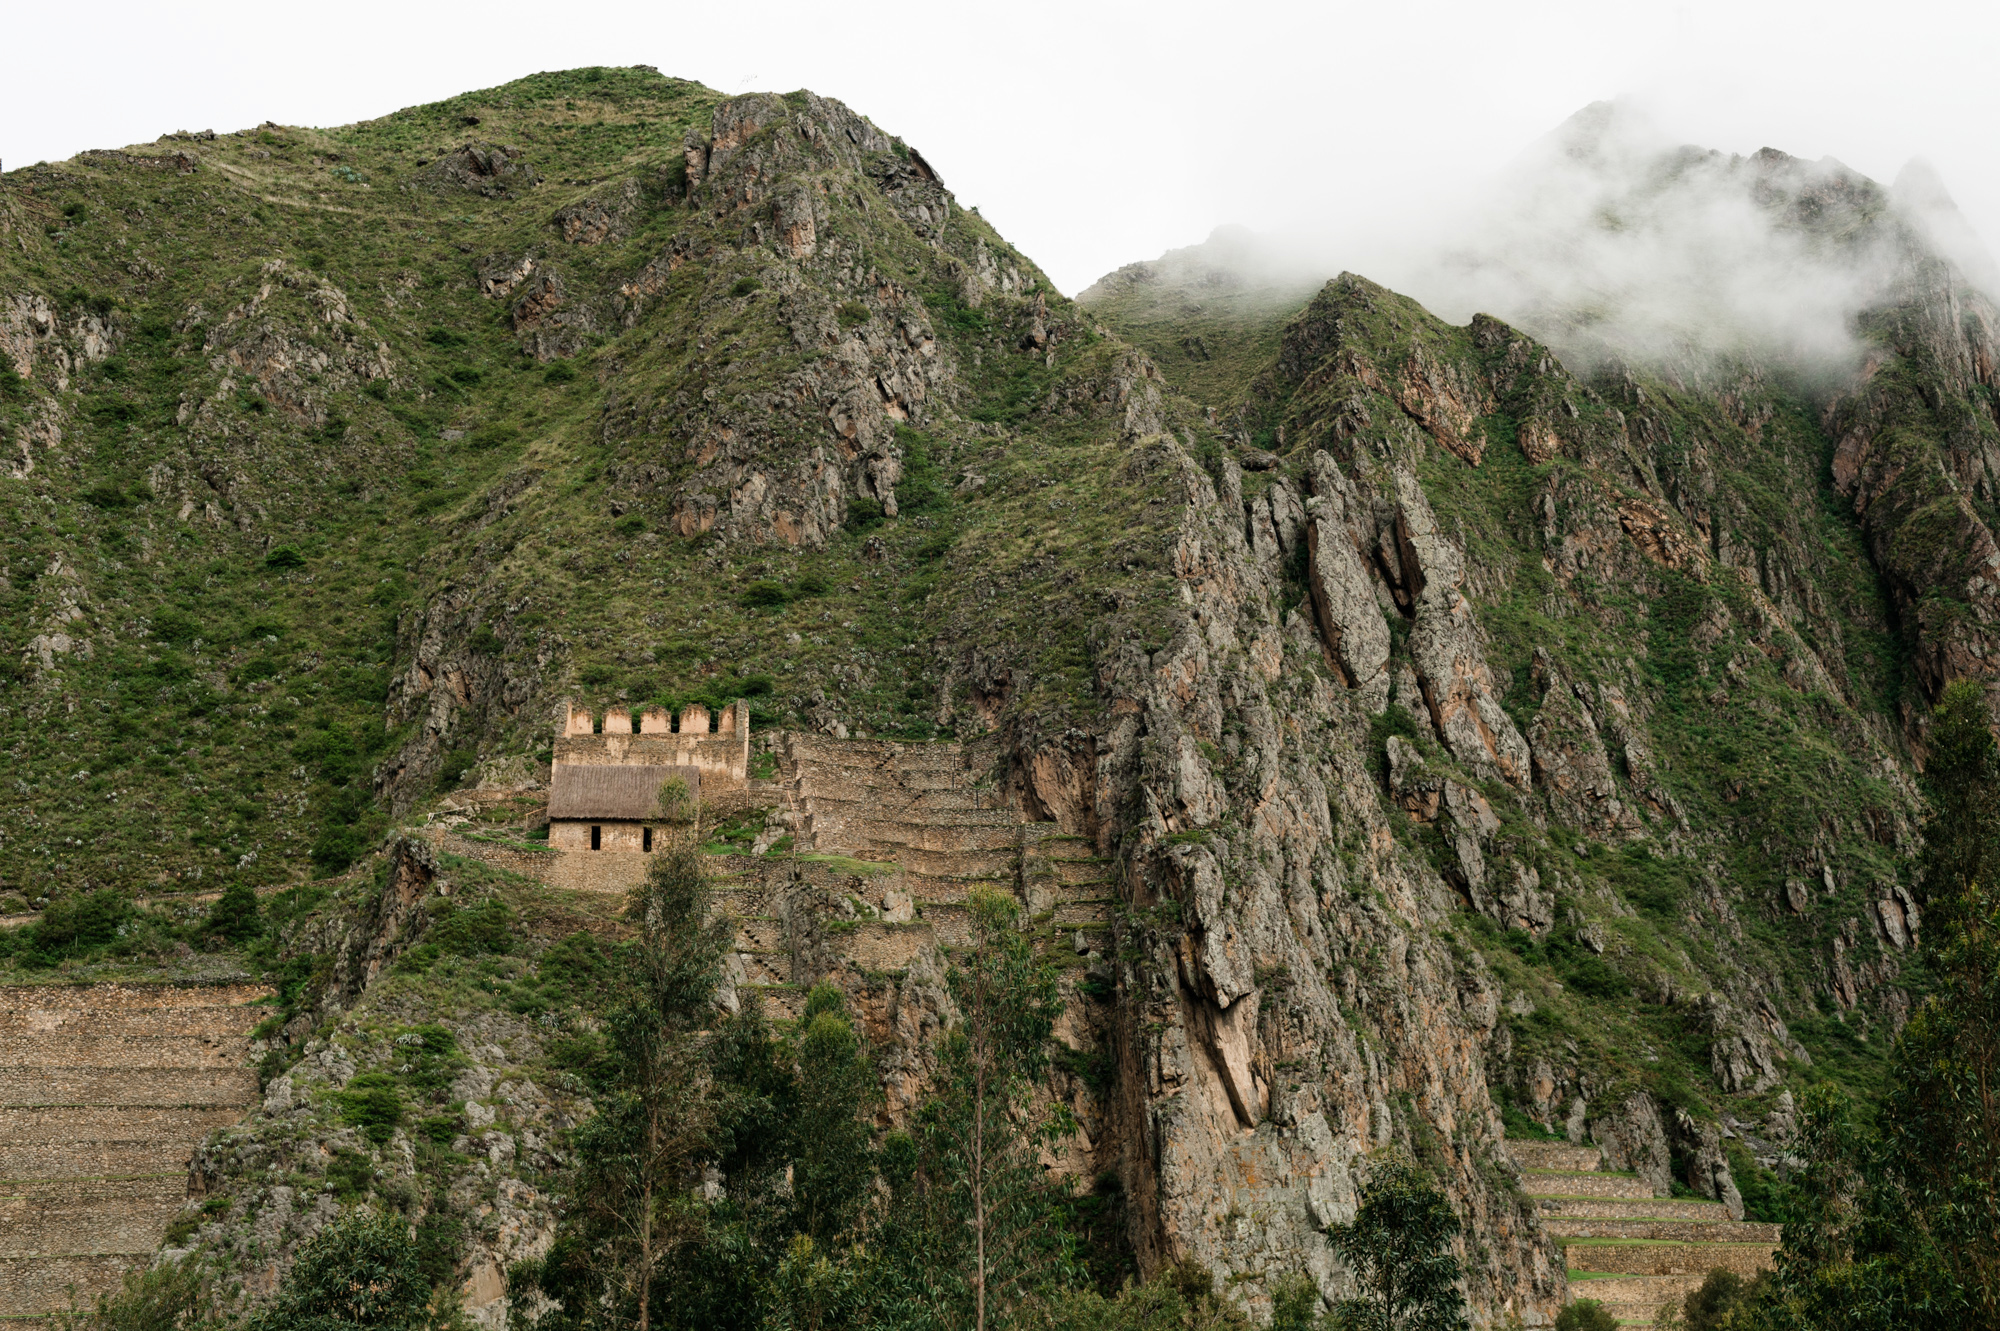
[(1091, 134)]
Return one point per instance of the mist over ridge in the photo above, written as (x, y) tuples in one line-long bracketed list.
[(1611, 240)]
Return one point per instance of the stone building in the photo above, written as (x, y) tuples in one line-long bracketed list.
[(604, 785)]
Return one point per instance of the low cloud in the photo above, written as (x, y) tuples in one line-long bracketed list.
[(1610, 240)]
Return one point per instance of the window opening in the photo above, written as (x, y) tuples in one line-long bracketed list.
[(596, 837), (646, 839)]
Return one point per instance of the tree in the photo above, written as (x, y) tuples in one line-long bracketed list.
[(971, 1229), (831, 1154), (1399, 1248), (631, 1209), (359, 1271), (1900, 1226), (677, 803), (169, 1296), (235, 916)]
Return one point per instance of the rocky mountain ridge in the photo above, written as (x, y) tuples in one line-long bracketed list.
[(1478, 742)]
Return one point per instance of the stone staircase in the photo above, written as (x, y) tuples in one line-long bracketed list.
[(104, 1092), (908, 832), (1626, 1248)]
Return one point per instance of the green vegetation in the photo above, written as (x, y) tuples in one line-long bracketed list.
[(1399, 1247), (1897, 1223), (1586, 1315)]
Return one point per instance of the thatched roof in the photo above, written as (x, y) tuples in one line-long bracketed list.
[(624, 793)]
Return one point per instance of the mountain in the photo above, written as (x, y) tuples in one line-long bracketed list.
[(1486, 728)]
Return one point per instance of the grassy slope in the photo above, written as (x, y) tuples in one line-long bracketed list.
[(228, 718)]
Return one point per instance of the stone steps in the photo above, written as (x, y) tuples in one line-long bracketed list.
[(895, 836), (1559, 1156), (98, 1217), (1666, 1231), (1634, 1298), (165, 1087), (954, 888), (1631, 1251), (26, 1049), (104, 1093), (1652, 1208), (33, 1287), (1611, 1187), (1667, 1259), (999, 864), (212, 1023)]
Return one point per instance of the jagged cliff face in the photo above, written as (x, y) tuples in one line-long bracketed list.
[(1469, 734), (1667, 630)]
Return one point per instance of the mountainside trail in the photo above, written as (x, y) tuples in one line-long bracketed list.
[(1405, 737)]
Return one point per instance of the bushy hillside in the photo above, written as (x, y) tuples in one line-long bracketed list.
[(471, 408)]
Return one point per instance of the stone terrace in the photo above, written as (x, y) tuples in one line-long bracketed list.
[(897, 836), (1626, 1248), (105, 1091), (907, 832)]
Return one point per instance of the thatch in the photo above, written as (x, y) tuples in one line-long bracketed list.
[(624, 793)]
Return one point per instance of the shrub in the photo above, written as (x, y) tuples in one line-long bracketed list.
[(1590, 975), (337, 847), (166, 1296), (107, 496), (559, 372), (234, 915), (923, 488), (629, 525), (468, 931), (454, 767), (676, 801), (853, 314), (764, 595), (440, 1128), (372, 1103), (864, 515), (441, 336), (1586, 1315), (574, 969), (284, 556), (78, 921), (745, 285), (360, 1271)]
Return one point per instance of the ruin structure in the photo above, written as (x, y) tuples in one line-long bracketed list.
[(605, 782)]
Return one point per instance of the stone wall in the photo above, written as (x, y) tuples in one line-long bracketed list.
[(722, 754), (105, 1091), (616, 838)]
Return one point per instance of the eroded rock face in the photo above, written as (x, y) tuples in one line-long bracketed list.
[(594, 221), (1571, 767), (485, 169), (1633, 1137), (1458, 689), (296, 341), (550, 323), (1344, 590), (1248, 1077)]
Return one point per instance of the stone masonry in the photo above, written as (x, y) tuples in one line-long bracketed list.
[(105, 1091)]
